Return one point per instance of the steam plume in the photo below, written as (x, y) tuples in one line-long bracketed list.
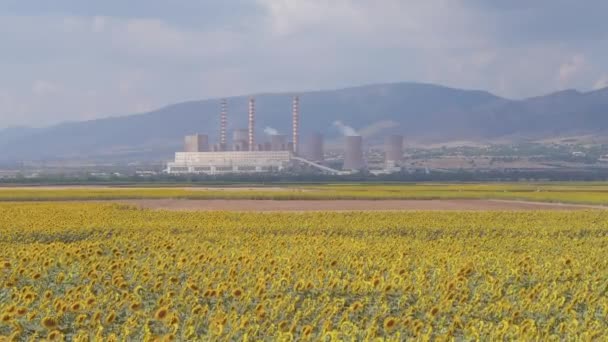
[(270, 131), (346, 130)]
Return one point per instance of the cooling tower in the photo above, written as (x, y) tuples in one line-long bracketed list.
[(393, 149), (353, 153), (315, 147), (240, 139), (196, 143), (278, 142)]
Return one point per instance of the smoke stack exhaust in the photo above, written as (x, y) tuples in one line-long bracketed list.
[(296, 123), (251, 123), (223, 125)]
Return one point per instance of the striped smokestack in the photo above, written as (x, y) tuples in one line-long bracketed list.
[(296, 124), (223, 125), (251, 123)]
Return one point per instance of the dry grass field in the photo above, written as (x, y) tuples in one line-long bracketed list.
[(349, 205)]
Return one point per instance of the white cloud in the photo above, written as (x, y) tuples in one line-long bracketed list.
[(291, 16), (129, 63)]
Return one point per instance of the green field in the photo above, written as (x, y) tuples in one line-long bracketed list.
[(583, 193)]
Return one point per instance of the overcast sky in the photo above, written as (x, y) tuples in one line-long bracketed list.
[(75, 60)]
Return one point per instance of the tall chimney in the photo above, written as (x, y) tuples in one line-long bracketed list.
[(296, 123), (223, 125), (251, 123)]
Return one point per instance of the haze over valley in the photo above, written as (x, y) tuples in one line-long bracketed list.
[(424, 113)]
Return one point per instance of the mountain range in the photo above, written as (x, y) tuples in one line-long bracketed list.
[(422, 112)]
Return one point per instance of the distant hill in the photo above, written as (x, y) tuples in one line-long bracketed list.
[(422, 112), (8, 135)]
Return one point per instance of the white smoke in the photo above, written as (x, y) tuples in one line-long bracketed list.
[(344, 129), (270, 131)]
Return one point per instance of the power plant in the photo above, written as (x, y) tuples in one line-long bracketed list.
[(276, 154), (240, 140), (315, 147), (196, 143), (278, 142), (393, 148), (296, 123), (251, 130), (223, 126), (353, 153)]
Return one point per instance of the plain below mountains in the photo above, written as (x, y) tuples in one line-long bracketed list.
[(422, 112)]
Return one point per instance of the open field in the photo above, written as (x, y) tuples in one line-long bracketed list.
[(90, 271), (581, 193), (348, 205)]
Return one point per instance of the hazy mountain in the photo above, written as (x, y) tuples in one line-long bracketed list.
[(11, 133), (422, 112)]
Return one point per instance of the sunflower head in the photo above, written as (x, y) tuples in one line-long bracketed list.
[(55, 335), (111, 317), (75, 307), (49, 322), (284, 326), (161, 313), (307, 330), (237, 293), (356, 306), (135, 306), (390, 323)]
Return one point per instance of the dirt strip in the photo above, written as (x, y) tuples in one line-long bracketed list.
[(350, 205)]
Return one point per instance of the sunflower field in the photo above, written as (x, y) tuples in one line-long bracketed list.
[(111, 272)]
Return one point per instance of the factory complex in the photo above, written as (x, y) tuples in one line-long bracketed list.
[(230, 162), (245, 155)]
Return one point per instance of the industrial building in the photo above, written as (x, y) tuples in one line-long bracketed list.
[(196, 143), (278, 142), (230, 162), (353, 153), (245, 155), (393, 148), (315, 147)]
